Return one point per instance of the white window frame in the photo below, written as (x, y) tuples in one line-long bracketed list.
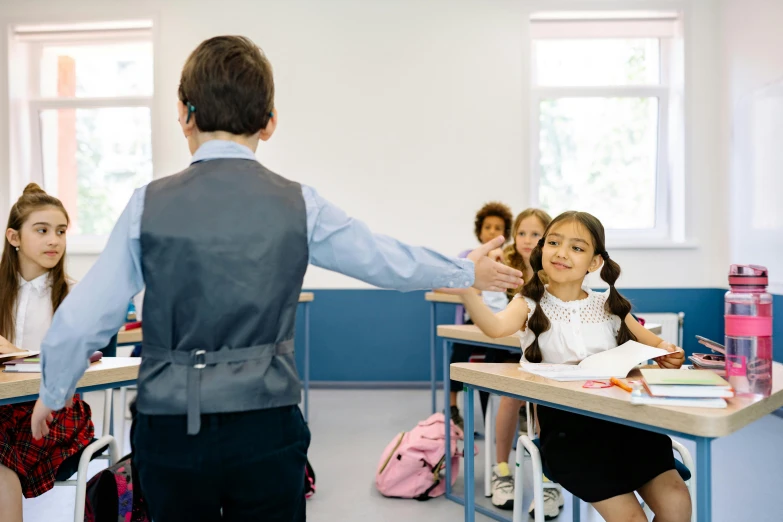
[(91, 34), (668, 231)]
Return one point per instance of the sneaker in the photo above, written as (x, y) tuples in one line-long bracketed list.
[(456, 418), (502, 490), (553, 503)]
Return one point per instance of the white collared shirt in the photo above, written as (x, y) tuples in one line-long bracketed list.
[(33, 312), (577, 329)]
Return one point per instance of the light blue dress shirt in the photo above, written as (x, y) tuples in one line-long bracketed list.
[(96, 308)]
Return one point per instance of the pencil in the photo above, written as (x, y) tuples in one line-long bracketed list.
[(620, 384)]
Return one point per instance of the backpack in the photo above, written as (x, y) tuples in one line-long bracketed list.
[(112, 497), (412, 463)]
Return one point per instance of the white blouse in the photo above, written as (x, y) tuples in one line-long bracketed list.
[(33, 312), (578, 328)]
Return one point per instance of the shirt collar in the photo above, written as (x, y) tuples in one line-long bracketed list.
[(40, 284), (220, 149)]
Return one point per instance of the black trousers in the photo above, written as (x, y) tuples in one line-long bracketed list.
[(242, 466)]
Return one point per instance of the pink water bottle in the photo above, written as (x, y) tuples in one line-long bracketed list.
[(749, 331)]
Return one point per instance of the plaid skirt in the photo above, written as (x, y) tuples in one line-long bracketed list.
[(36, 461)]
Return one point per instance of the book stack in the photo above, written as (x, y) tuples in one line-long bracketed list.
[(26, 365), (690, 388)]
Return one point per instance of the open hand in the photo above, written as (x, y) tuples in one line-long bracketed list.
[(491, 275)]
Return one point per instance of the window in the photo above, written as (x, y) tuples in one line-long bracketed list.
[(81, 100), (602, 116)]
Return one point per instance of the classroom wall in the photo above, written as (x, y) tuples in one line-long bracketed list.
[(753, 130), (411, 115)]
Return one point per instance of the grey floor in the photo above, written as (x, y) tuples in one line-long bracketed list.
[(351, 428)]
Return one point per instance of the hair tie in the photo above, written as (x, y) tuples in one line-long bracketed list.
[(605, 255)]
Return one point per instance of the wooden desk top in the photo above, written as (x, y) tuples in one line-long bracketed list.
[(471, 332), (105, 371), (615, 402), (136, 336), (439, 297)]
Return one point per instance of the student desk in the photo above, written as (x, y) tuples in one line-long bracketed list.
[(700, 425), (305, 298), (435, 298)]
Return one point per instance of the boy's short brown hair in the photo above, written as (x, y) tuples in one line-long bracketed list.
[(229, 82), (497, 209)]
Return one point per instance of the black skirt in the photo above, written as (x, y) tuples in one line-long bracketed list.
[(596, 459)]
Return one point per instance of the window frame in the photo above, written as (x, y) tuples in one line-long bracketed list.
[(661, 28), (32, 104)]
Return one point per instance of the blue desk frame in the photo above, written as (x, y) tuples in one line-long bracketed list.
[(433, 362), (703, 448)]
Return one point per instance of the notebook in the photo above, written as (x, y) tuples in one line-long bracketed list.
[(5, 357), (644, 398), (617, 362), (692, 383), (655, 376)]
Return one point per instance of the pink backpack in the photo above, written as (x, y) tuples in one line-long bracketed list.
[(412, 463)]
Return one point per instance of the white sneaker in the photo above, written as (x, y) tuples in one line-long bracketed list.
[(553, 503), (502, 490)]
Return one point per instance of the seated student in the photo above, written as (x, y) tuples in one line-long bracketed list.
[(33, 283), (563, 322), (492, 220), (528, 228)]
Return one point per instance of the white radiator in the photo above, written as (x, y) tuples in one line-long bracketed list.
[(671, 325)]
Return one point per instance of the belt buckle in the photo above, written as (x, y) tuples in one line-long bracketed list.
[(199, 359)]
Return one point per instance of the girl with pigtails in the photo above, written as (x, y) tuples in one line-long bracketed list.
[(559, 320)]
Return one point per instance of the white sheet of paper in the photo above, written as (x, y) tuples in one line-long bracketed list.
[(617, 362)]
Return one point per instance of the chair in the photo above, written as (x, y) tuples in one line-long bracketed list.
[(78, 463)]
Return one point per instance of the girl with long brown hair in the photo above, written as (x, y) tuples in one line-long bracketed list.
[(33, 284)]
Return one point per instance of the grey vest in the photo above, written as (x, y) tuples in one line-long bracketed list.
[(223, 252)]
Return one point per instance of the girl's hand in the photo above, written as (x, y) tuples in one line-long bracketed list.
[(674, 360)]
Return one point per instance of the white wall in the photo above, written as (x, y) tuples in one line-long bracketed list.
[(753, 137), (410, 114)]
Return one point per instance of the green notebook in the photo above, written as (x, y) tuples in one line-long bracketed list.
[(683, 377)]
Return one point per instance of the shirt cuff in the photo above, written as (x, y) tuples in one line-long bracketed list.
[(52, 401), (461, 277)]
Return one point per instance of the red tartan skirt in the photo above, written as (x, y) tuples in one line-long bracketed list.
[(36, 461)]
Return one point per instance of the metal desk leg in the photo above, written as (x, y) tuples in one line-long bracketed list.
[(446, 357), (433, 330), (576, 509), (703, 479), (307, 363), (470, 478)]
